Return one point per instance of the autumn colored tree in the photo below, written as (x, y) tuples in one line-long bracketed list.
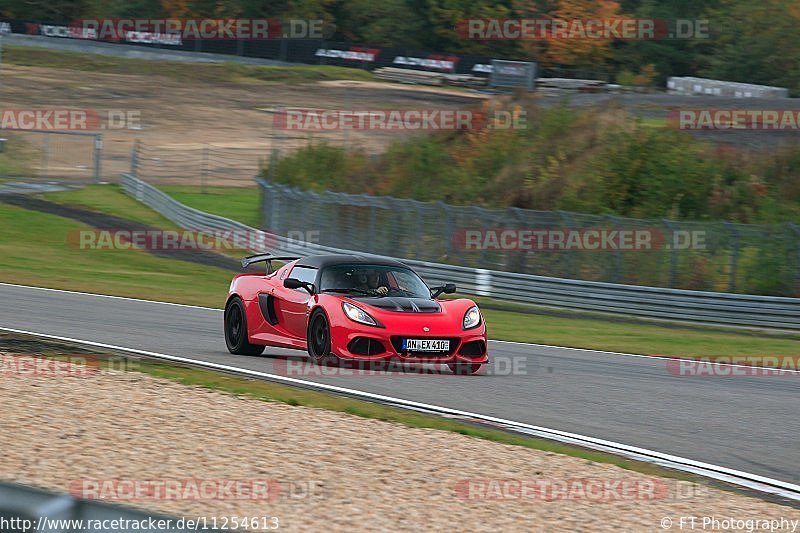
[(567, 46), (577, 49), (176, 8)]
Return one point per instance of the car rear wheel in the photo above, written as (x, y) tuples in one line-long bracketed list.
[(236, 330), (319, 340), (464, 369)]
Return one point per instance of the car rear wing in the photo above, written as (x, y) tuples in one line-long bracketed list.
[(268, 258)]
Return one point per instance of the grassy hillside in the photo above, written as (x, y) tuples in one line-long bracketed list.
[(596, 160)]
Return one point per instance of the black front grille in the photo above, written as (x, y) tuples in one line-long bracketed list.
[(473, 349), (397, 343), (365, 346)]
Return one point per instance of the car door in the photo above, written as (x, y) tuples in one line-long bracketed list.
[(292, 304)]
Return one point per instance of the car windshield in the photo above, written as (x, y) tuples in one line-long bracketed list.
[(373, 280)]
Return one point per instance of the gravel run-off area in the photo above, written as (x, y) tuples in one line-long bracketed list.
[(191, 452)]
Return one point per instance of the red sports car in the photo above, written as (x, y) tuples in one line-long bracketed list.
[(352, 308)]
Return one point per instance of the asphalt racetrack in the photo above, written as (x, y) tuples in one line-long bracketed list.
[(740, 422)]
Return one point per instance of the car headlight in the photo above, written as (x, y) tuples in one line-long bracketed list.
[(356, 314), (472, 317)]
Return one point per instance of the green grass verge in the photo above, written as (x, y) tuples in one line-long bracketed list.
[(237, 203), (653, 122), (35, 250), (110, 199), (137, 274), (187, 72), (21, 163), (273, 392), (631, 337)]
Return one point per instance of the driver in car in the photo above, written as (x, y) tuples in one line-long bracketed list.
[(371, 281)]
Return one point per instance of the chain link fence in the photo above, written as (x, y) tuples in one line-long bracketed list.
[(705, 256), (51, 155), (198, 165)]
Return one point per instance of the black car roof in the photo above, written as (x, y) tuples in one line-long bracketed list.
[(321, 261)]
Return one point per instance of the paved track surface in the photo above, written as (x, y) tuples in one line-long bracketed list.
[(745, 423)]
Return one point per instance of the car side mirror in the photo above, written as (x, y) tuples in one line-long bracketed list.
[(447, 288), (294, 283)]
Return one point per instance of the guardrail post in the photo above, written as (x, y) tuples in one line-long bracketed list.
[(274, 214), (447, 228), (567, 222), (673, 254), (371, 226), (135, 159), (483, 282), (418, 230), (796, 229), (522, 253), (350, 222), (98, 155), (734, 256), (308, 208), (139, 190), (329, 213), (485, 219), (617, 254)]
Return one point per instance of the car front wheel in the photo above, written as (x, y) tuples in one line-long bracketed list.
[(319, 340)]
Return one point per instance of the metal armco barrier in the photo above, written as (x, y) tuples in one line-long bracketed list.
[(768, 312)]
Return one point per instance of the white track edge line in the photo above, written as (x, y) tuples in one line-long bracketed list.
[(651, 357), (142, 300), (738, 477), (604, 352)]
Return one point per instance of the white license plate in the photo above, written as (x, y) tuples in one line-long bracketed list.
[(426, 345)]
